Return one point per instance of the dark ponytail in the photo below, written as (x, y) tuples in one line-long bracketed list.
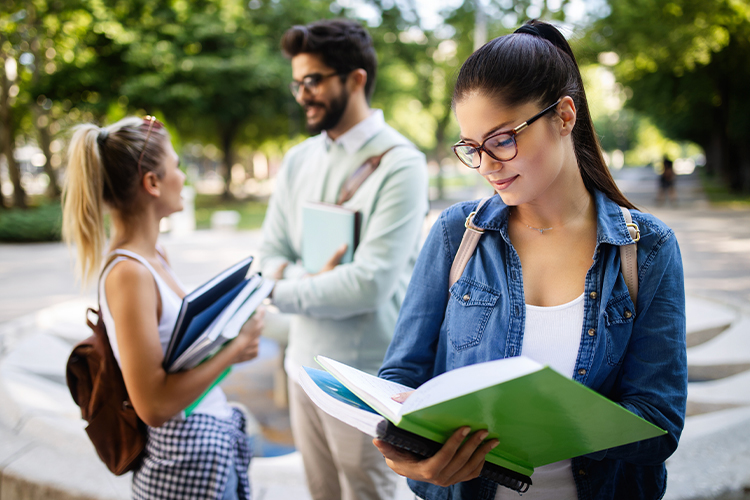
[(517, 69)]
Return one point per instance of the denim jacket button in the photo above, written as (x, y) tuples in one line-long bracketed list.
[(467, 297), (581, 371), (581, 472), (592, 332), (628, 314), (592, 295)]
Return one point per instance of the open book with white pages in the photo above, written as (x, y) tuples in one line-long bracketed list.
[(538, 415)]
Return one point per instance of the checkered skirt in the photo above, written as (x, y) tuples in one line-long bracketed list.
[(191, 458)]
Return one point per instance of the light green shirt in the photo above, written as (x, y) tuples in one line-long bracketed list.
[(348, 313)]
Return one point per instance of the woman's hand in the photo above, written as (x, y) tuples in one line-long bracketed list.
[(454, 463), (248, 340), (401, 397)]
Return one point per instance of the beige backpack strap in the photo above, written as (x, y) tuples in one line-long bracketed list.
[(467, 246), (629, 256), (360, 175)]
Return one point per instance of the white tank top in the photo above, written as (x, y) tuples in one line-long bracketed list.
[(215, 402), (552, 336)]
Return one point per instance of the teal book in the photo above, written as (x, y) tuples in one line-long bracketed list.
[(539, 415), (325, 227)]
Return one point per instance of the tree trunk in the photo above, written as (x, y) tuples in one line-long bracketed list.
[(41, 120), (227, 138), (441, 146), (8, 138), (743, 167), (480, 24)]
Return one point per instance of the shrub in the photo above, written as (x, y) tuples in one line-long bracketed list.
[(42, 223)]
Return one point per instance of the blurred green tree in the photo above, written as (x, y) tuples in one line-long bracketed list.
[(418, 66), (12, 45), (686, 63), (214, 68)]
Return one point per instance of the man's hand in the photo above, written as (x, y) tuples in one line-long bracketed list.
[(334, 260), (279, 274), (457, 461)]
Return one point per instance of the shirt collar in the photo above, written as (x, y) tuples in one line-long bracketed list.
[(611, 226), (353, 139)]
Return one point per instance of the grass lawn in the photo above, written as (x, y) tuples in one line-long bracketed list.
[(720, 196), (42, 221), (252, 212)]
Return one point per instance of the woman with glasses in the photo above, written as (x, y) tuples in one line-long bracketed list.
[(545, 279), (130, 169)]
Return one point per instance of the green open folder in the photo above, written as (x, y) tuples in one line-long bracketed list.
[(538, 415)]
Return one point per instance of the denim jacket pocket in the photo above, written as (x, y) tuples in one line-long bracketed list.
[(469, 308), (618, 318)]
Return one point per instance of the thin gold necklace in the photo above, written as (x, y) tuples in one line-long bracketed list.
[(543, 229), (540, 229)]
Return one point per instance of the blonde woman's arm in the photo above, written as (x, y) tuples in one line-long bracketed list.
[(157, 396)]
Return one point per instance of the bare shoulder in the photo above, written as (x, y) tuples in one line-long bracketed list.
[(129, 279)]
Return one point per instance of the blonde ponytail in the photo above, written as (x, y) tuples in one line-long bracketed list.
[(103, 170), (83, 203)]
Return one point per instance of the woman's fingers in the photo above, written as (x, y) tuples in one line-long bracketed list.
[(473, 467), (456, 461), (463, 456), (401, 396), (248, 339)]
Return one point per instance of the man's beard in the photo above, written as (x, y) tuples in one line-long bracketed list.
[(333, 113)]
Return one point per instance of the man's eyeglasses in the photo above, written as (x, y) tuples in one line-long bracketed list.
[(152, 122), (502, 146), (310, 82)]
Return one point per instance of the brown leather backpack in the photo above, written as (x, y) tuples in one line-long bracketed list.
[(96, 384)]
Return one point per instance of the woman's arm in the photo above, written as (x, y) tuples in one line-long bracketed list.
[(411, 358), (157, 396), (652, 381)]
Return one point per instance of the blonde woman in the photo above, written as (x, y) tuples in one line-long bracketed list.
[(130, 169)]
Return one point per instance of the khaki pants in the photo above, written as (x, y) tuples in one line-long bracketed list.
[(340, 461)]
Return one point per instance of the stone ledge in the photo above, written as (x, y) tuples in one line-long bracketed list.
[(713, 458), (30, 471)]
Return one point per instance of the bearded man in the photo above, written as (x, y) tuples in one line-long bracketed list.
[(347, 311)]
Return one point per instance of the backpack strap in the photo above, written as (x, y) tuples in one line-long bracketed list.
[(628, 253), (361, 174), (629, 256), (467, 246)]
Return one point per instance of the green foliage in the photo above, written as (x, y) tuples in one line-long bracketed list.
[(685, 62), (719, 196), (251, 212), (36, 224)]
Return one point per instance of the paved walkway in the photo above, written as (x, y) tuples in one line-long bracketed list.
[(45, 454)]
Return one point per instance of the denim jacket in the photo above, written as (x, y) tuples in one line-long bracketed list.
[(634, 355)]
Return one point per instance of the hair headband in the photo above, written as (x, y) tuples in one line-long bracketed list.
[(102, 137), (529, 30)]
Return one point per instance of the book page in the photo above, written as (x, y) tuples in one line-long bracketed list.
[(335, 399), (468, 379), (376, 392)]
